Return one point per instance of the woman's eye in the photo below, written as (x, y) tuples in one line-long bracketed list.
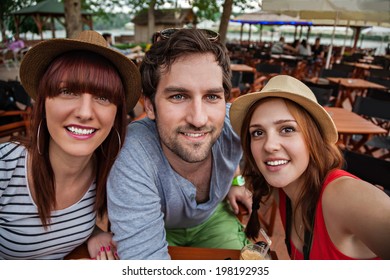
[(103, 100), (65, 91), (256, 133), (288, 129)]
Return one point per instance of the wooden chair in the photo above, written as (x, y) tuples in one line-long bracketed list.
[(320, 89), (344, 68), (334, 73), (380, 73), (264, 72), (378, 112), (267, 215), (323, 95), (20, 124), (7, 57), (373, 170)]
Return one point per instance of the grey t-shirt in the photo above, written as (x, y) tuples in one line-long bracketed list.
[(145, 195)]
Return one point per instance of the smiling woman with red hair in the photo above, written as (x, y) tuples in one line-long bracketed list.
[(289, 144)]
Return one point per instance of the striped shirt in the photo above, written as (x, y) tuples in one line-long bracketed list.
[(22, 235)]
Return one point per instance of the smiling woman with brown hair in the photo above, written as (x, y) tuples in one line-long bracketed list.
[(54, 184)]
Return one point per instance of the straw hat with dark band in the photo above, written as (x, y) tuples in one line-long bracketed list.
[(38, 58), (289, 88)]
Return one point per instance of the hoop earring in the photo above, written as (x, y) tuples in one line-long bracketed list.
[(38, 136), (119, 142)]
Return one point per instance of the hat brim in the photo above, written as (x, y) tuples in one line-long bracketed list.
[(37, 60), (242, 104)]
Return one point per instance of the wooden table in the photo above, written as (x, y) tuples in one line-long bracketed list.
[(360, 67), (242, 68), (250, 74), (348, 86), (348, 123), (194, 253), (176, 253), (180, 253)]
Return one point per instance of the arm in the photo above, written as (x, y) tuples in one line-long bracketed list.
[(239, 194), (357, 217), (134, 205), (101, 245)]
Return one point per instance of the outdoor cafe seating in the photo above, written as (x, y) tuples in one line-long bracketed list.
[(15, 109)]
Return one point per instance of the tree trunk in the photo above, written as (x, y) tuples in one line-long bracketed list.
[(73, 22), (151, 20), (223, 26), (2, 28)]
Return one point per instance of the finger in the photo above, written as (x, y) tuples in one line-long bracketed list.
[(110, 253), (234, 206), (102, 253), (113, 243)]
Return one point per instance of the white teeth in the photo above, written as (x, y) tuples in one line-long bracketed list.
[(276, 162), (194, 134), (80, 131)]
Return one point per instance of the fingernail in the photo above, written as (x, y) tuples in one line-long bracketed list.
[(108, 248), (102, 249)]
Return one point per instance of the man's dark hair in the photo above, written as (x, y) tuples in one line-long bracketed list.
[(184, 42)]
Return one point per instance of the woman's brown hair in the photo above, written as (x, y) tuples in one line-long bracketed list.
[(324, 156), (83, 72)]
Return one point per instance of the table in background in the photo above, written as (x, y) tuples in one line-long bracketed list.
[(245, 71), (242, 68), (348, 85), (348, 123), (361, 67)]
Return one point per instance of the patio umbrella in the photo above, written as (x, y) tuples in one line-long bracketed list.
[(265, 18), (346, 12)]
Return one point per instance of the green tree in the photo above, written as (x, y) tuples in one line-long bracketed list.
[(6, 18), (210, 9)]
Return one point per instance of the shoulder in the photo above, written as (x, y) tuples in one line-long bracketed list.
[(141, 127), (12, 163), (228, 133), (11, 151), (347, 197), (141, 145), (141, 132)]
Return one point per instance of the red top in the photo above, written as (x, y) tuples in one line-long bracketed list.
[(322, 246)]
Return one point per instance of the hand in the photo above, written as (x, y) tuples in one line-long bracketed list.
[(136, 49), (107, 253), (242, 195), (101, 246)]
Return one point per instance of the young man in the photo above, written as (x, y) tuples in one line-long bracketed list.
[(169, 183)]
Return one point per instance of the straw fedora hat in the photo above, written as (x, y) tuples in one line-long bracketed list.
[(289, 88), (39, 57)]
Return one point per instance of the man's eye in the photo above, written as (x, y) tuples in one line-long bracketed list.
[(177, 97), (213, 97)]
